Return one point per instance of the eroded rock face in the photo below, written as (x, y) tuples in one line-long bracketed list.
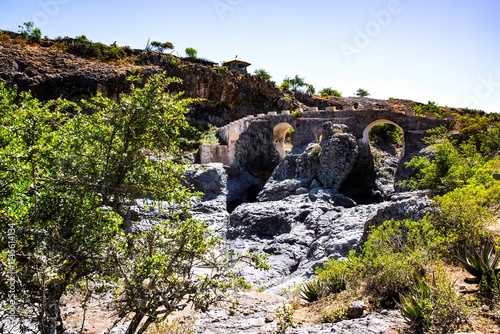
[(326, 164), (301, 232), (210, 179)]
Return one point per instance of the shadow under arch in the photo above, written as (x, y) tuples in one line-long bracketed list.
[(364, 183), (279, 136)]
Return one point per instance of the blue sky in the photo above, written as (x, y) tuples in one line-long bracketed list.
[(425, 50)]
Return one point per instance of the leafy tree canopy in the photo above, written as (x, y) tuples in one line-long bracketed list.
[(69, 175), (328, 91), (362, 92), (191, 52), (262, 73)]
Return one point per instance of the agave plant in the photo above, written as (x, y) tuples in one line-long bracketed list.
[(416, 307), (480, 262), (311, 291), (337, 283)]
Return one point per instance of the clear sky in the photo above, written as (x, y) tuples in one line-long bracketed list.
[(424, 50)]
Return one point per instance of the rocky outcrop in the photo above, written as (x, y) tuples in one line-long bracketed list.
[(326, 164), (211, 206), (302, 231), (54, 69), (227, 95), (50, 73), (257, 314)]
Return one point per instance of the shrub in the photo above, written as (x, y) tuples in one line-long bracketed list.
[(285, 86), (334, 308), (362, 92), (328, 91), (221, 71), (334, 313), (284, 314), (174, 326), (449, 167), (429, 108), (82, 39), (191, 52), (296, 113), (489, 288), (210, 136), (462, 218), (395, 256), (339, 275), (262, 74)]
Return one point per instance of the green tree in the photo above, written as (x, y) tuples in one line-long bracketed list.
[(297, 82), (159, 271), (67, 184), (294, 84), (310, 89), (59, 231), (386, 133), (28, 29), (160, 47), (262, 73), (362, 92), (449, 166), (191, 52), (285, 86), (328, 91)]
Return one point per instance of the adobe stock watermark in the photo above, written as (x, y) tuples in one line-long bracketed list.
[(223, 6), (11, 268), (372, 29), (484, 90), (48, 9)]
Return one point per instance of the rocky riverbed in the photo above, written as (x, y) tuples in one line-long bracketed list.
[(299, 219)]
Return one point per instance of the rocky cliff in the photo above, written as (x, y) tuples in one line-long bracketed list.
[(59, 68)]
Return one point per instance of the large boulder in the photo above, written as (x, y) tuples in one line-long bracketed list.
[(210, 179), (211, 207), (326, 164)]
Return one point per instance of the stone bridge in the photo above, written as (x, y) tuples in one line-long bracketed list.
[(258, 142)]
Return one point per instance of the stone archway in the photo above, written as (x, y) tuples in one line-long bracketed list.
[(386, 157), (366, 132), (279, 135)]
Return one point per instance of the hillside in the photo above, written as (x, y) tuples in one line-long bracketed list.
[(68, 68)]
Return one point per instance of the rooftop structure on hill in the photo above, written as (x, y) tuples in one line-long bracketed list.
[(237, 64)]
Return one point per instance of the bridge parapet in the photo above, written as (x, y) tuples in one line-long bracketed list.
[(308, 126)]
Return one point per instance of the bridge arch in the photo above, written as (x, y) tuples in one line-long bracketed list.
[(279, 136), (366, 132)]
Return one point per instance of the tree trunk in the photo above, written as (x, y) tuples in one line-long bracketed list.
[(145, 326), (52, 321), (134, 324)]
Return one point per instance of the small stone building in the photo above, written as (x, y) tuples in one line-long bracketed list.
[(237, 64)]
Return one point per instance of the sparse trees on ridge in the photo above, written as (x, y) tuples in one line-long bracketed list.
[(362, 92)]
